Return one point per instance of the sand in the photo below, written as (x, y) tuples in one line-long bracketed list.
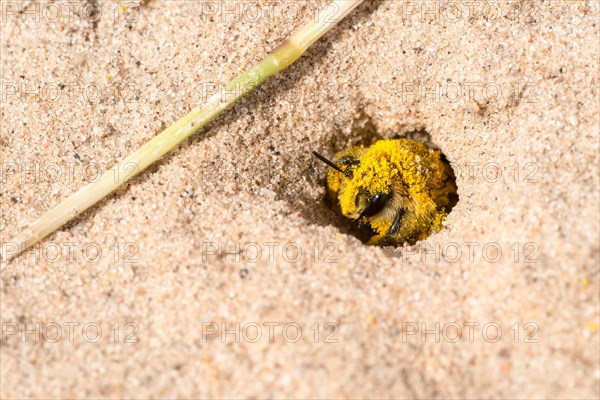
[(221, 271)]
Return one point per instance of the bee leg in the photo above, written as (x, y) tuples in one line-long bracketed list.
[(390, 238), (396, 223)]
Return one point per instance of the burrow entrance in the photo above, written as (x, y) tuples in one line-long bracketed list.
[(331, 211)]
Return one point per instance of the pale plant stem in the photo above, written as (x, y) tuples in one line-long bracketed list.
[(151, 151)]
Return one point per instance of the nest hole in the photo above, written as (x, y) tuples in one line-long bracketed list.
[(368, 135)]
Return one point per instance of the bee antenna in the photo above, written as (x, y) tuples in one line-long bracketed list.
[(326, 161)]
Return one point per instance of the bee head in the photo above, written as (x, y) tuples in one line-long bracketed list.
[(356, 198)]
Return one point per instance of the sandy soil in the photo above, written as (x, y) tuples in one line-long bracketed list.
[(221, 272)]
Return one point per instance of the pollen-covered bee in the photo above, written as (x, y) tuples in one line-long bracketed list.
[(401, 189)]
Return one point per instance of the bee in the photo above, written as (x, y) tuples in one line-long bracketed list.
[(400, 189)]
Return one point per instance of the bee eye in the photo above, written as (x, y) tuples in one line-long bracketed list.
[(376, 204)]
